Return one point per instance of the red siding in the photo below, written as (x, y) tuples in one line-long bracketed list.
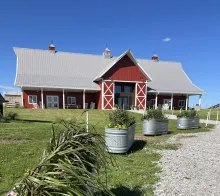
[(89, 97), (125, 70), (176, 99), (25, 98)]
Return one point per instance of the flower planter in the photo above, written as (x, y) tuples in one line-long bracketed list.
[(119, 140), (155, 127), (187, 123)]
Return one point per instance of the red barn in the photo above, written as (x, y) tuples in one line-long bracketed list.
[(53, 79)]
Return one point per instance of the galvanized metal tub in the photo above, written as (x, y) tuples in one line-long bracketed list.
[(187, 123), (119, 140), (155, 127)]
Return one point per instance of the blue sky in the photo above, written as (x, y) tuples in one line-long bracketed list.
[(85, 26)]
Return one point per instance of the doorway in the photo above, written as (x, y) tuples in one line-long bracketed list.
[(52, 102)]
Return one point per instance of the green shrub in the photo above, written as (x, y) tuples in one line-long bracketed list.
[(154, 115), (70, 166), (116, 106), (11, 115), (188, 114), (120, 119)]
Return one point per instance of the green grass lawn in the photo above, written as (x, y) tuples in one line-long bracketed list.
[(202, 113), (23, 141)]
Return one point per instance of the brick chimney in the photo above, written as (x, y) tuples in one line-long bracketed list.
[(52, 47), (155, 57)]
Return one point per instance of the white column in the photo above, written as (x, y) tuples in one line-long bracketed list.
[(42, 98), (135, 103), (102, 91), (84, 99), (156, 101), (187, 101), (22, 97), (145, 106), (200, 100), (63, 99), (113, 93), (171, 102)]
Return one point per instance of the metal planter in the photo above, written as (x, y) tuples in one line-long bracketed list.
[(155, 127), (119, 140), (188, 123)]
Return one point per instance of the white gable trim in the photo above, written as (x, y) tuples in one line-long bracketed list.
[(111, 64)]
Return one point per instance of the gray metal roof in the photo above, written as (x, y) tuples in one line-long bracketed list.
[(44, 68)]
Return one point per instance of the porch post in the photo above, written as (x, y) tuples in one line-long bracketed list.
[(156, 100), (187, 101), (63, 99), (200, 100), (22, 97), (135, 103), (171, 102), (42, 98), (84, 99)]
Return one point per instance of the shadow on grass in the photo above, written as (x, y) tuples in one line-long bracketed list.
[(31, 121), (137, 145), (123, 191)]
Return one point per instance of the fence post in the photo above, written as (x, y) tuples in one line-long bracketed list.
[(172, 110), (208, 118), (217, 118)]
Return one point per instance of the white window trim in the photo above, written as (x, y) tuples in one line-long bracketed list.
[(71, 100), (184, 101), (166, 100), (32, 99), (58, 105)]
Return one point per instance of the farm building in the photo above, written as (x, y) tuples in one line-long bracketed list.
[(12, 96), (53, 79)]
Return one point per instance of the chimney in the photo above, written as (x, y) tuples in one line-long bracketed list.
[(155, 57), (107, 53), (52, 47)]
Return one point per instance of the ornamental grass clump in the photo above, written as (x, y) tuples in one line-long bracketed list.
[(70, 166), (188, 114), (154, 115), (120, 119)]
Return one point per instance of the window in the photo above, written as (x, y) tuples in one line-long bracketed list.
[(167, 101), (117, 89), (181, 103), (152, 102), (127, 89), (32, 99), (71, 100)]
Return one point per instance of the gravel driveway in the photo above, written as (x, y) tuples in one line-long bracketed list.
[(193, 169)]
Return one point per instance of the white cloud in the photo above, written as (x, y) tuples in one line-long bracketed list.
[(167, 39)]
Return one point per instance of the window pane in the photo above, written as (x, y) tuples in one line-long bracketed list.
[(127, 89), (55, 105), (34, 99), (74, 100), (30, 99), (55, 99), (49, 99), (117, 89), (49, 105)]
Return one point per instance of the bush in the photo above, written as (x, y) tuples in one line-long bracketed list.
[(154, 115), (188, 114), (11, 115), (120, 119), (70, 166), (116, 106)]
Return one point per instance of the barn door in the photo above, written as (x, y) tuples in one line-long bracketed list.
[(141, 95), (108, 95)]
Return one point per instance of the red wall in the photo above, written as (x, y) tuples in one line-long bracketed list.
[(176, 99), (125, 70), (25, 98), (89, 97)]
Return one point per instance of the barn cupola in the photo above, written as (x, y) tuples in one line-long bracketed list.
[(52, 47), (107, 53), (155, 57)]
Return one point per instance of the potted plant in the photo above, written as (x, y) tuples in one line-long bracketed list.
[(188, 120), (115, 107), (154, 123), (119, 133)]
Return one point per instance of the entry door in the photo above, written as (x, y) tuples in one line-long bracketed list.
[(123, 102), (52, 102)]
